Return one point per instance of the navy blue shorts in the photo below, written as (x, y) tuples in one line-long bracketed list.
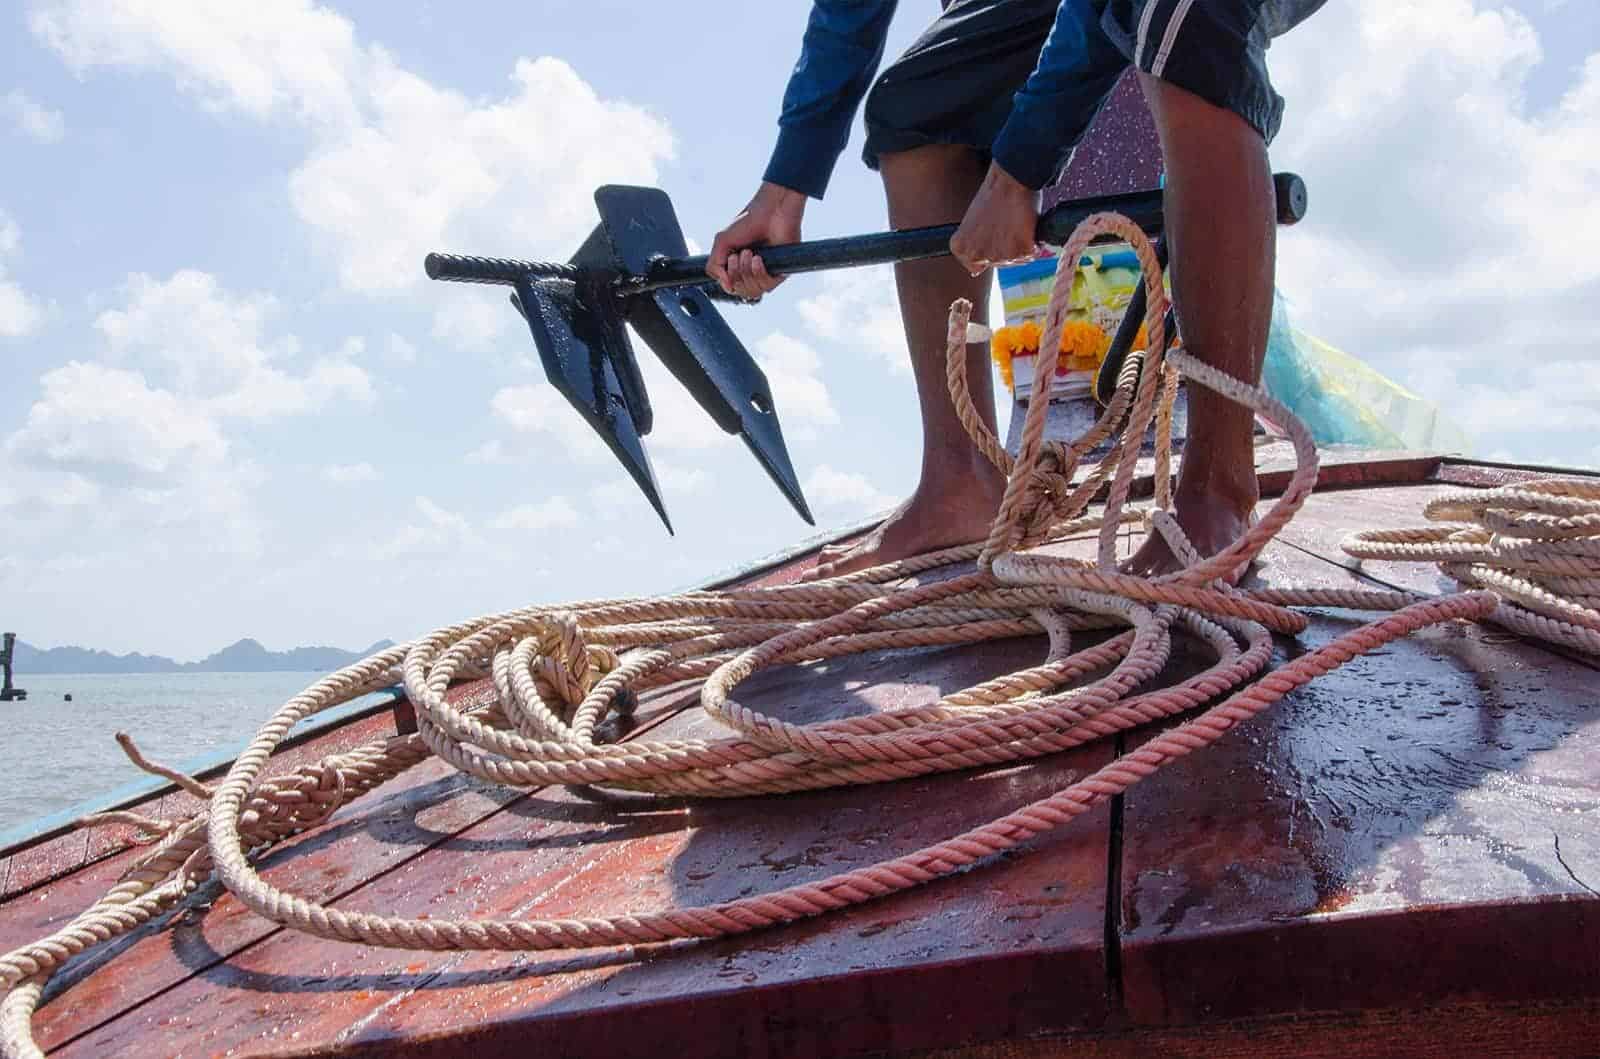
[(955, 83)]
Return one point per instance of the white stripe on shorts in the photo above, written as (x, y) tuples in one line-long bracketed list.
[(1144, 28), (1170, 37)]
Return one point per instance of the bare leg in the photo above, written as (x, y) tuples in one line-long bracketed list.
[(1222, 232), (959, 490)]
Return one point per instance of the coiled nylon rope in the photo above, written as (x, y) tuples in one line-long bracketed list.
[(1536, 545), (559, 672)]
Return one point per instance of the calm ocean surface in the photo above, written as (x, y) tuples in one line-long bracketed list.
[(54, 755)]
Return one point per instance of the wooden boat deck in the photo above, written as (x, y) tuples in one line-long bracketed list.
[(1403, 855)]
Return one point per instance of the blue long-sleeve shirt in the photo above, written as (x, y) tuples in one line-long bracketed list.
[(843, 46)]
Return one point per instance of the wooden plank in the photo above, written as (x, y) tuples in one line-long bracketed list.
[(1552, 1031), (30, 916), (1351, 472), (1324, 524), (424, 807), (1385, 837), (1031, 926), (1325, 521), (57, 857), (1486, 474)]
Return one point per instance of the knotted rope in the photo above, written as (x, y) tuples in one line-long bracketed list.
[(559, 672)]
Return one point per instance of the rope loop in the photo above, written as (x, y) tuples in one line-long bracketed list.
[(562, 681)]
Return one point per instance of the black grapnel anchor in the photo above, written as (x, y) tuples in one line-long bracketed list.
[(634, 269)]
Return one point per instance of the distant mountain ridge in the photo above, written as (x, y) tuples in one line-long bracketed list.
[(246, 656)]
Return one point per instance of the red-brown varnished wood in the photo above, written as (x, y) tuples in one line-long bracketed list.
[(29, 916), (55, 858), (424, 807), (1549, 1031), (897, 974), (1387, 836), (1374, 860)]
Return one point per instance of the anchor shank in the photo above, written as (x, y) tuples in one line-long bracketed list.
[(1144, 208), (850, 251)]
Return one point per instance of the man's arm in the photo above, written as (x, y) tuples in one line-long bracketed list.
[(842, 48), (841, 51), (1076, 71)]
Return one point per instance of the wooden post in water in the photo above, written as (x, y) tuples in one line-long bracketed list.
[(7, 692)]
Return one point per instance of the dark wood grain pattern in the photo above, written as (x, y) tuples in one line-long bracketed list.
[(895, 974), (1550, 1031), (1417, 827), (34, 865)]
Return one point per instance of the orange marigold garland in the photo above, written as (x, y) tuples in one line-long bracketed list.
[(1083, 346)]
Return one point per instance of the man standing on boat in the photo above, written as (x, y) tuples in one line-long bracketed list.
[(978, 115)]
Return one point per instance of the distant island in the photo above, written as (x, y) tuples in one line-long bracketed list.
[(246, 656)]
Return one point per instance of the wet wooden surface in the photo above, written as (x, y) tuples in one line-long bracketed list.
[(38, 864), (422, 808), (1482, 1031), (1418, 827), (1385, 838), (1032, 926)]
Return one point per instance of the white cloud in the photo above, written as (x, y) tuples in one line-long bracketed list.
[(801, 397), (216, 348), (620, 492), (429, 169), (439, 533), (109, 422), (345, 473), (1452, 226), (1568, 399), (679, 422), (153, 424), (539, 409), (19, 313), (555, 513), (682, 479), (830, 488), (20, 495), (32, 119), (397, 166), (401, 349), (276, 57), (490, 452), (1538, 422), (860, 309), (471, 320), (106, 463)]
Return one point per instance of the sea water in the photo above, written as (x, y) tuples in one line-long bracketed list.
[(56, 755)]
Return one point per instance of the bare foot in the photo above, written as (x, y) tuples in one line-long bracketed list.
[(955, 513), (1211, 521)]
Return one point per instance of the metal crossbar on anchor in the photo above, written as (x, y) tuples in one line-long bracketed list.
[(635, 270)]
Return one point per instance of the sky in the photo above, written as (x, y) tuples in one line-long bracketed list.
[(231, 405)]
